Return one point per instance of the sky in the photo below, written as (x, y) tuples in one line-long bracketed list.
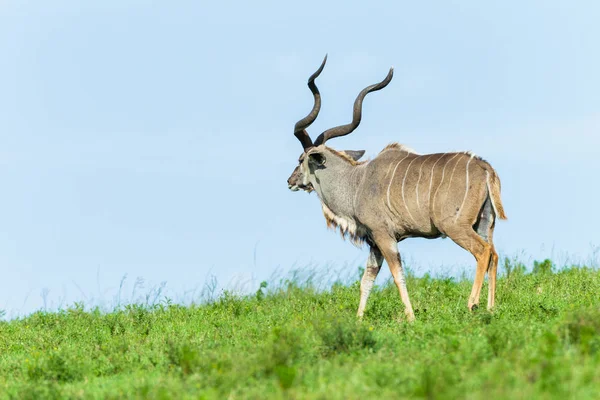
[(151, 142)]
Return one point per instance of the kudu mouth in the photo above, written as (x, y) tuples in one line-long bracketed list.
[(294, 185), (295, 188)]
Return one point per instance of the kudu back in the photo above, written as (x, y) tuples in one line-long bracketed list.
[(400, 194)]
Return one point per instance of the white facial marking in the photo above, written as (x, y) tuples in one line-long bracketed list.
[(305, 180)]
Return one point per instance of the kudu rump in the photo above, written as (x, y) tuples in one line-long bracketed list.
[(400, 194)]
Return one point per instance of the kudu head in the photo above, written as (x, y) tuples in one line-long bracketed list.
[(316, 155)]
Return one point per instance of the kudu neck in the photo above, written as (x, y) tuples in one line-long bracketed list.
[(336, 186)]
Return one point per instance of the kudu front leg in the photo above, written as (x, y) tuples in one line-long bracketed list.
[(389, 249), (366, 284)]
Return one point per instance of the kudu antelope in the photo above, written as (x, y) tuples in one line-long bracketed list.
[(400, 194)]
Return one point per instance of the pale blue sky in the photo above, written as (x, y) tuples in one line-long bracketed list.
[(154, 139)]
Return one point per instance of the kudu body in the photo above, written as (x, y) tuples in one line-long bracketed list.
[(401, 194)]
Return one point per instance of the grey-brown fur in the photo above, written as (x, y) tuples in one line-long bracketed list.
[(401, 194)]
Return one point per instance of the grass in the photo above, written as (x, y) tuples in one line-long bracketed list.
[(293, 341)]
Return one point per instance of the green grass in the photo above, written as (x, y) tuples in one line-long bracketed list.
[(542, 341)]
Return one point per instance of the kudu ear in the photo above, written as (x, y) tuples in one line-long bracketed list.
[(317, 159), (355, 154)]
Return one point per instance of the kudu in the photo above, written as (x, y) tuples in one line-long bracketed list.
[(400, 194)]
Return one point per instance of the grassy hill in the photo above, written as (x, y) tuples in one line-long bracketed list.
[(542, 341)]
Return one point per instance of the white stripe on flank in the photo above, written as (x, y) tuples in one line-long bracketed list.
[(450, 181), (418, 181), (466, 189), (431, 178), (403, 181), (388, 171), (442, 181), (392, 179)]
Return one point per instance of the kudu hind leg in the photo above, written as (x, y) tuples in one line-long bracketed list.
[(485, 229), (492, 273), (389, 249), (492, 269), (469, 240), (366, 284)]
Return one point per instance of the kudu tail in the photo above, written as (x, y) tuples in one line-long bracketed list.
[(493, 185)]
